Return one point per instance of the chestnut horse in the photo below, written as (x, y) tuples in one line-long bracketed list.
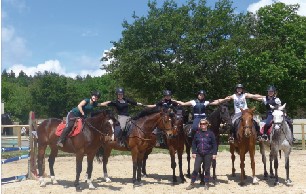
[(218, 116), (139, 138), (96, 131), (174, 143), (245, 141)]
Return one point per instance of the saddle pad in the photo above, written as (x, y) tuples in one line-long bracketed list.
[(262, 130), (75, 130)]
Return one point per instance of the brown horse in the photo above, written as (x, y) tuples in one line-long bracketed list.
[(139, 138), (218, 116), (174, 143), (245, 142), (96, 131)]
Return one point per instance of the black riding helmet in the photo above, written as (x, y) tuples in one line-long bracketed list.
[(96, 93), (271, 88), (167, 93), (119, 91), (202, 92), (239, 86)]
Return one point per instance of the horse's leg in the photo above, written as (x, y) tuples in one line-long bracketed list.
[(173, 163), (139, 165), (106, 153), (51, 161), (90, 158), (232, 150), (288, 181), (180, 160), (276, 167), (188, 158), (271, 164), (40, 159), (252, 156), (214, 165), (134, 153), (144, 163), (242, 166), (264, 160), (79, 160)]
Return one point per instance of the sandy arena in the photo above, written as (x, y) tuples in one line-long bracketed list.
[(160, 177)]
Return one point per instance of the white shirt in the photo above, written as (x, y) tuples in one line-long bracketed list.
[(239, 102)]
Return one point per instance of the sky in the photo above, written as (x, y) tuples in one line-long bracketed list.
[(69, 37)]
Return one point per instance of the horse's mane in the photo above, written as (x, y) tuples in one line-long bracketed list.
[(98, 112), (146, 112)]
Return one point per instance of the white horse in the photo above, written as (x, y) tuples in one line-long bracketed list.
[(280, 139)]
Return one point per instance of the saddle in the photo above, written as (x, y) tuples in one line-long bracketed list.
[(76, 129), (263, 128)]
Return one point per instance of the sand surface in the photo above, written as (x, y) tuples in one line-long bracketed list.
[(160, 177)]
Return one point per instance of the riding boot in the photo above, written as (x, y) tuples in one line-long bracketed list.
[(257, 128), (232, 135), (265, 136), (62, 139), (123, 138), (66, 131), (291, 129)]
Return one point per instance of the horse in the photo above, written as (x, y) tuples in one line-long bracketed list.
[(6, 120), (245, 141), (174, 143), (281, 139), (96, 131), (218, 116), (139, 139)]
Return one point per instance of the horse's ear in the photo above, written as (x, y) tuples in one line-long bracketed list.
[(241, 109), (282, 107)]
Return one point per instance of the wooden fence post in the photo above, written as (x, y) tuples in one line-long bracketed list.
[(303, 136)]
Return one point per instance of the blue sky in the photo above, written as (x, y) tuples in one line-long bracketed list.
[(69, 36)]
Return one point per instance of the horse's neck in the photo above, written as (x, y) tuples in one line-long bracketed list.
[(145, 122), (215, 118)]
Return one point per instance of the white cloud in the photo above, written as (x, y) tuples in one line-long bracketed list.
[(255, 6), (55, 67), (14, 46)]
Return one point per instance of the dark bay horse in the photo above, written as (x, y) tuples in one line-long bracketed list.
[(245, 141), (218, 116), (174, 143), (139, 138), (96, 131)]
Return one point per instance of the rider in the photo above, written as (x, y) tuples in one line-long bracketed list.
[(199, 107), (83, 110), (121, 104), (167, 102), (268, 100), (239, 99)]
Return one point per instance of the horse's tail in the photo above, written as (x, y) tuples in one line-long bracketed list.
[(280, 154), (99, 155)]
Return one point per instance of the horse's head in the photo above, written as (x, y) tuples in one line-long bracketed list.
[(177, 124), (224, 114), (247, 121), (278, 116), (166, 120)]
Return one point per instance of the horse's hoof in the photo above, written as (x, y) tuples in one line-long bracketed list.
[(53, 180), (43, 184), (255, 181), (144, 176), (216, 183), (107, 180), (276, 183), (91, 187), (137, 184), (289, 182)]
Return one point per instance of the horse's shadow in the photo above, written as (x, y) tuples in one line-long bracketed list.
[(270, 181), (98, 184)]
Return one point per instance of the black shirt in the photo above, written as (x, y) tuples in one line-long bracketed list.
[(122, 105)]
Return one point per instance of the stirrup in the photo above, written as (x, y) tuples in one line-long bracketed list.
[(231, 140), (60, 143)]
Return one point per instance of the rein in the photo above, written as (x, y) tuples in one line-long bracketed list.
[(92, 127)]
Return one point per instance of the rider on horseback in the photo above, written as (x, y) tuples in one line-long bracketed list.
[(167, 102), (121, 105), (199, 107), (239, 99), (83, 110)]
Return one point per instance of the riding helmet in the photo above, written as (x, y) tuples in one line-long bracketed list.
[(167, 93), (239, 86), (119, 91), (96, 93), (202, 92), (271, 88)]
